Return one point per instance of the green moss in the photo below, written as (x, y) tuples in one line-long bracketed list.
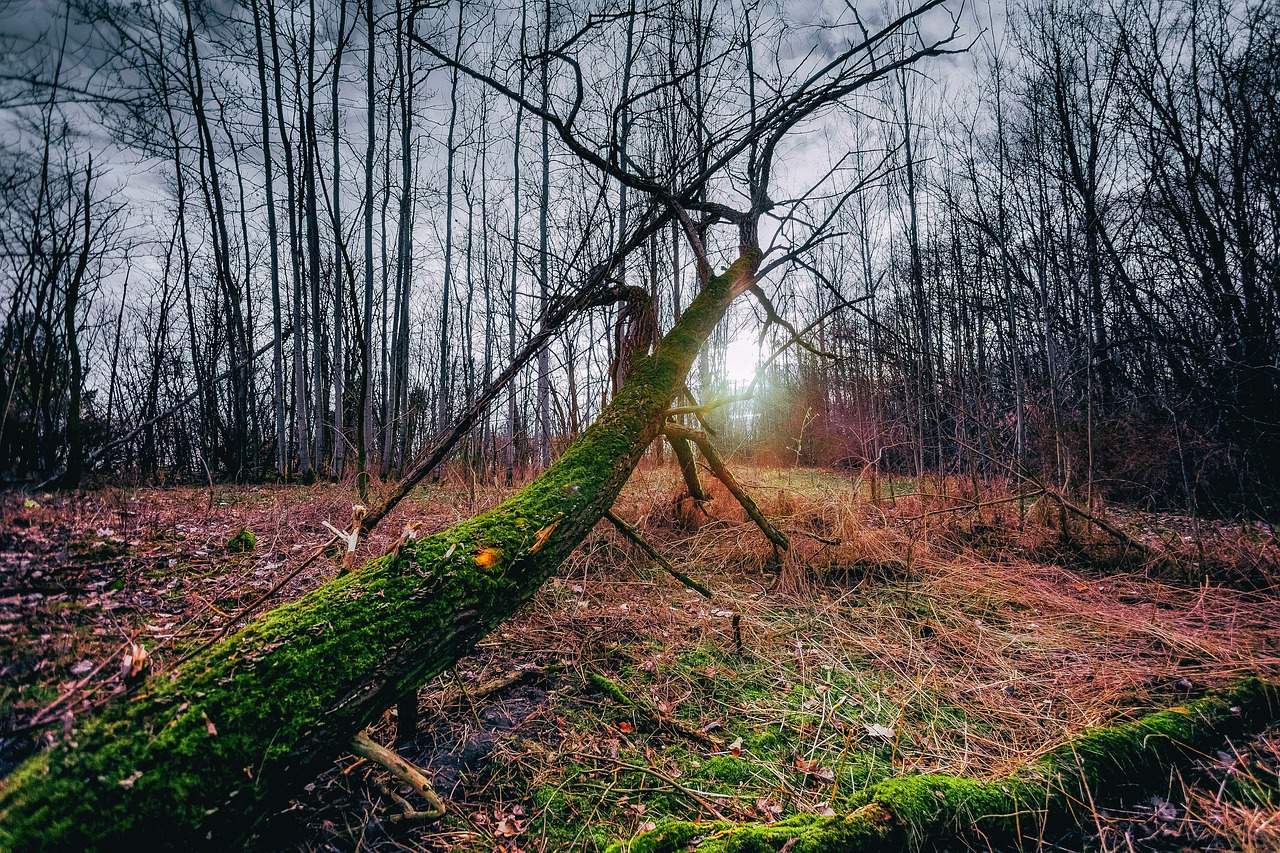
[(547, 797), (863, 829), (726, 769), (766, 742), (91, 547), (668, 837), (609, 688), (908, 811), (243, 542)]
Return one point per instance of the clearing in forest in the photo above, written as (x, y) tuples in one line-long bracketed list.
[(934, 632)]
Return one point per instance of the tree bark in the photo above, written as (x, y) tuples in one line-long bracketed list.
[(202, 753)]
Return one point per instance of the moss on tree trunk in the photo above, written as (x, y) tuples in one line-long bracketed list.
[(201, 754), (1058, 789)]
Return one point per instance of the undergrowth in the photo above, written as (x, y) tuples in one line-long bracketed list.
[(909, 633)]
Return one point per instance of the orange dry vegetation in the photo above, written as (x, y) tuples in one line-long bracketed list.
[(964, 623)]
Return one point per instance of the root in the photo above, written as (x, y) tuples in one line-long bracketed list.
[(1056, 790), (367, 748)]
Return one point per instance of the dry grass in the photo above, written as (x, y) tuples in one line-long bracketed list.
[(980, 639)]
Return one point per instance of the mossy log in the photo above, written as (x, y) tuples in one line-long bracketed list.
[(1057, 790), (200, 754)]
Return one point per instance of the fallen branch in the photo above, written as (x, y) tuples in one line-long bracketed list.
[(486, 689), (412, 775), (703, 408), (724, 475), (1053, 791), (702, 798), (634, 536), (971, 507), (1106, 526)]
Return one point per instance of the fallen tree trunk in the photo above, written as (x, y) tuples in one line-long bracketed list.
[(202, 753), (1057, 790)]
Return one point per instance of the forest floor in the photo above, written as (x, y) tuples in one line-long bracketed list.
[(916, 633)]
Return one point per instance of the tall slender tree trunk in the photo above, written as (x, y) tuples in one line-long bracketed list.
[(310, 163), (214, 203), (366, 360), (404, 265), (300, 419), (513, 303), (544, 367), (70, 331), (337, 368), (443, 411), (277, 352)]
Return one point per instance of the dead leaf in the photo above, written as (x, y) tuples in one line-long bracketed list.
[(825, 774), (878, 731), (508, 827), (1165, 811), (208, 724), (768, 809), (625, 727)]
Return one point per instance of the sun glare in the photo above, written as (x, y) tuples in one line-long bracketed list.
[(742, 357)]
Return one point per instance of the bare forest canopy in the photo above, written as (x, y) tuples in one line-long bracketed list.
[(265, 239)]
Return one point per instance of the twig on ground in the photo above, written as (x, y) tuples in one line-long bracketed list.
[(650, 712), (699, 797), (412, 775)]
